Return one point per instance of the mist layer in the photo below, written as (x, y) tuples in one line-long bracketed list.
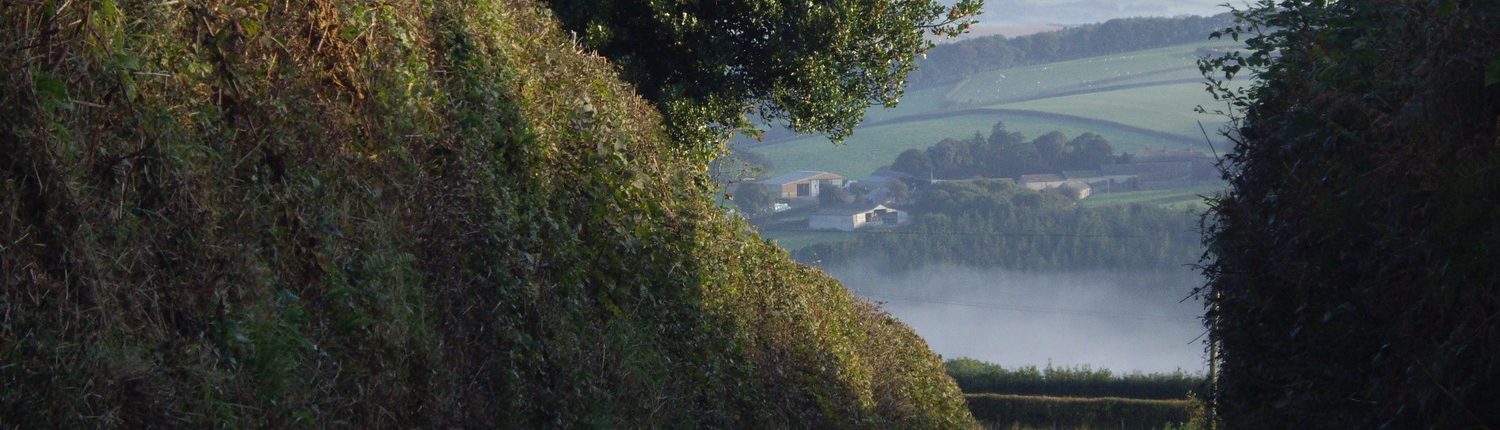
[(1124, 321)]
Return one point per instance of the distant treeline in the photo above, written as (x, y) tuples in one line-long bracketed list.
[(955, 61), (991, 223), (1005, 154), (974, 376)]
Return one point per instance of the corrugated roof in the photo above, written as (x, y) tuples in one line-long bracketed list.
[(799, 176), (850, 209)]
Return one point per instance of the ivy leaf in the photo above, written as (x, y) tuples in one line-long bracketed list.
[(1492, 73)]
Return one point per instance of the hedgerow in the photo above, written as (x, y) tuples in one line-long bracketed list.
[(1352, 264), (394, 214)]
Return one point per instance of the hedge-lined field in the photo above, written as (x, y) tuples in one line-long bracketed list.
[(1008, 411)]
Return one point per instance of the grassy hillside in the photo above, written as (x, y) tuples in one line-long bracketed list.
[(878, 145), (341, 214), (1175, 198), (1134, 107), (1152, 66), (1138, 99)]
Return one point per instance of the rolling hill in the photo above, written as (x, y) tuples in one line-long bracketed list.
[(1136, 100)]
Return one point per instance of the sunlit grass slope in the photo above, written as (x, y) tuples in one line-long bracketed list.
[(1167, 108), (392, 215)]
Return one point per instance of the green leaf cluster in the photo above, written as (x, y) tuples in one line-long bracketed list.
[(814, 65)]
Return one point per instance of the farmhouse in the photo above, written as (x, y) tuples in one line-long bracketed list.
[(850, 217), (802, 184)]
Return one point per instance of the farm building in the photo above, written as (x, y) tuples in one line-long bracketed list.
[(1077, 189), (802, 184), (1042, 182), (850, 217)]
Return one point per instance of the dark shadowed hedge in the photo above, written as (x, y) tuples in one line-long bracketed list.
[(391, 215), (1353, 278)]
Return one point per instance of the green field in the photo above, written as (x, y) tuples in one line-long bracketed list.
[(1184, 198), (1047, 80), (872, 147), (1136, 100), (914, 102), (795, 240), (1005, 411), (1125, 106)]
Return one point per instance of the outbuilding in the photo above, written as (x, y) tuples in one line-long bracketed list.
[(851, 217)]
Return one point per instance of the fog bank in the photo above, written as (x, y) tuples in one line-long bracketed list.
[(1124, 321)]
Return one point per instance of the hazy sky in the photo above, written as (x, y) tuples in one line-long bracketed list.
[(1067, 12), (1124, 321)]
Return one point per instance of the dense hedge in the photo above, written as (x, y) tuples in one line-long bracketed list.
[(974, 376), (1353, 278), (1004, 411), (391, 215), (1005, 154)]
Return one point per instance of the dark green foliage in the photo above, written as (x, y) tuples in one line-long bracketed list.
[(815, 66), (1005, 154), (986, 223), (1005, 411), (899, 192), (974, 376), (338, 214), (1353, 276), (915, 162), (753, 199), (833, 196), (954, 61)]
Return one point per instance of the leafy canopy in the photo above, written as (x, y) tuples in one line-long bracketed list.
[(816, 65)]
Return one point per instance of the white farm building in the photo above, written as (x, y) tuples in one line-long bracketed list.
[(851, 217)]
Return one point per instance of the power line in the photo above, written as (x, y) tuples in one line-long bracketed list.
[(1036, 309)]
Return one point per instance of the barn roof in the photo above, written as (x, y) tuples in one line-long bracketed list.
[(799, 176), (851, 209)]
